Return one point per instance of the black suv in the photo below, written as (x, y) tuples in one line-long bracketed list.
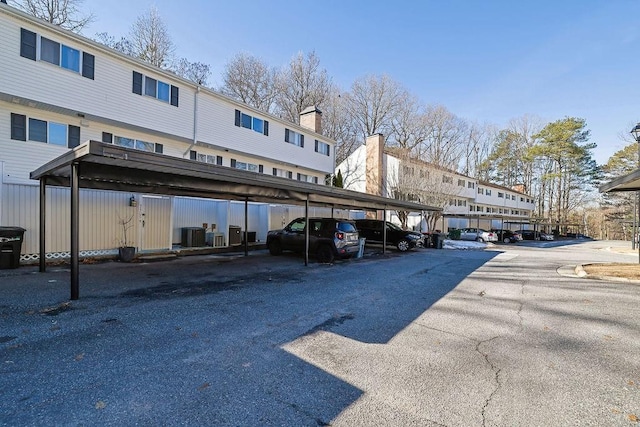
[(371, 229), (328, 238)]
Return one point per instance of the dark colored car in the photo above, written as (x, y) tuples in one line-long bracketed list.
[(371, 229), (328, 238), (507, 236)]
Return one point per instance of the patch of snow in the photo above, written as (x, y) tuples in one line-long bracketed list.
[(463, 244)]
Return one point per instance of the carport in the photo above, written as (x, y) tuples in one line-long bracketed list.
[(97, 165)]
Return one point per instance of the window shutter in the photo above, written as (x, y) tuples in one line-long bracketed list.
[(193, 155), (137, 83), (298, 176), (328, 150), (315, 179), (18, 127), (286, 135), (233, 163), (219, 160), (74, 136), (238, 118), (316, 145), (266, 128), (107, 137), (88, 65), (290, 175), (275, 172), (159, 148), (27, 44), (302, 141), (174, 95), (261, 168)]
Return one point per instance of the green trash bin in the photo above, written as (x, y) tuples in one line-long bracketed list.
[(10, 246), (438, 240)]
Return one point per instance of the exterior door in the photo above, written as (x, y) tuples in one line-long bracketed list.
[(155, 223)]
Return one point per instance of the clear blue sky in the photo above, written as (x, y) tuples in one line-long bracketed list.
[(486, 61)]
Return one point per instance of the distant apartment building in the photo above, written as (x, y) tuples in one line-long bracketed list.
[(466, 201), (59, 89)]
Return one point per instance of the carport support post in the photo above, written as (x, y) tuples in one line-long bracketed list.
[(384, 230), (306, 231), (246, 226), (43, 226), (75, 231)]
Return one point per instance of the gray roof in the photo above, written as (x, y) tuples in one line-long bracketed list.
[(629, 182), (109, 167)]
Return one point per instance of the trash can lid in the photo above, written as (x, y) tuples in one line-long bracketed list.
[(11, 231)]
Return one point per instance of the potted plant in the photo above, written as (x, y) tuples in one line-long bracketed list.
[(126, 252)]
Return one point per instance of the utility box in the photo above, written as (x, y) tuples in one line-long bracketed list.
[(235, 237), (10, 246), (193, 237), (250, 236)]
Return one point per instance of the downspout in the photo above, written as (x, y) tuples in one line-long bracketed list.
[(195, 123)]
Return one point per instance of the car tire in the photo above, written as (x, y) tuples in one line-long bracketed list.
[(325, 255), (275, 248), (480, 239), (506, 240), (403, 245)]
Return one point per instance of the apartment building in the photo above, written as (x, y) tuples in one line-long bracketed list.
[(466, 201), (59, 89)]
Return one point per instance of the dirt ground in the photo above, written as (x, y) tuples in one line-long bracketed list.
[(628, 271)]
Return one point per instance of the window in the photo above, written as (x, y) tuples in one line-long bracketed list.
[(209, 158), (322, 148), (56, 53), (522, 199), (487, 192), (480, 190), (43, 131), (154, 88), (501, 195), (513, 197), (461, 183), (282, 173), (471, 184), (294, 138), (249, 122), (447, 179), (247, 166), (307, 178), (137, 144)]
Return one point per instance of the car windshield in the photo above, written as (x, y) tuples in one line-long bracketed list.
[(393, 226), (346, 227)]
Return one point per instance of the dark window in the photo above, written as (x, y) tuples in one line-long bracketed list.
[(219, 160), (290, 175), (27, 44), (18, 127), (37, 130), (107, 137), (49, 51), (315, 179), (137, 83), (233, 163), (275, 172), (74, 136), (193, 155), (174, 95), (159, 148), (150, 86), (246, 121), (88, 65), (261, 168)]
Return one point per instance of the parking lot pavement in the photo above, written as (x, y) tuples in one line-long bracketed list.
[(429, 337)]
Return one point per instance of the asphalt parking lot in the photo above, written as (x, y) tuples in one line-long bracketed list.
[(430, 337)]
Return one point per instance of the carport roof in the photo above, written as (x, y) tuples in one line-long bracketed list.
[(629, 182), (108, 167)]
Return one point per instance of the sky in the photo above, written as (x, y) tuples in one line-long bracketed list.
[(486, 61)]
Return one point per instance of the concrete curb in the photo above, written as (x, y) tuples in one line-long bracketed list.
[(580, 272)]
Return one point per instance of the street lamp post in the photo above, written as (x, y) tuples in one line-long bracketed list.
[(636, 135)]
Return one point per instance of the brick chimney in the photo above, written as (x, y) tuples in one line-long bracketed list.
[(311, 118), (374, 170)]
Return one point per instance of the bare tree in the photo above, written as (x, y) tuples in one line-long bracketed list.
[(123, 45), (447, 137), (373, 102), (197, 72), (150, 39), (408, 125), (337, 125), (64, 13), (300, 85), (479, 146), (248, 79)]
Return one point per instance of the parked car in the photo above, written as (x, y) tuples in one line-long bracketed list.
[(478, 234), (507, 236), (546, 236), (371, 229), (535, 235), (329, 238)]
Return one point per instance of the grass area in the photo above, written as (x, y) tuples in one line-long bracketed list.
[(628, 271)]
